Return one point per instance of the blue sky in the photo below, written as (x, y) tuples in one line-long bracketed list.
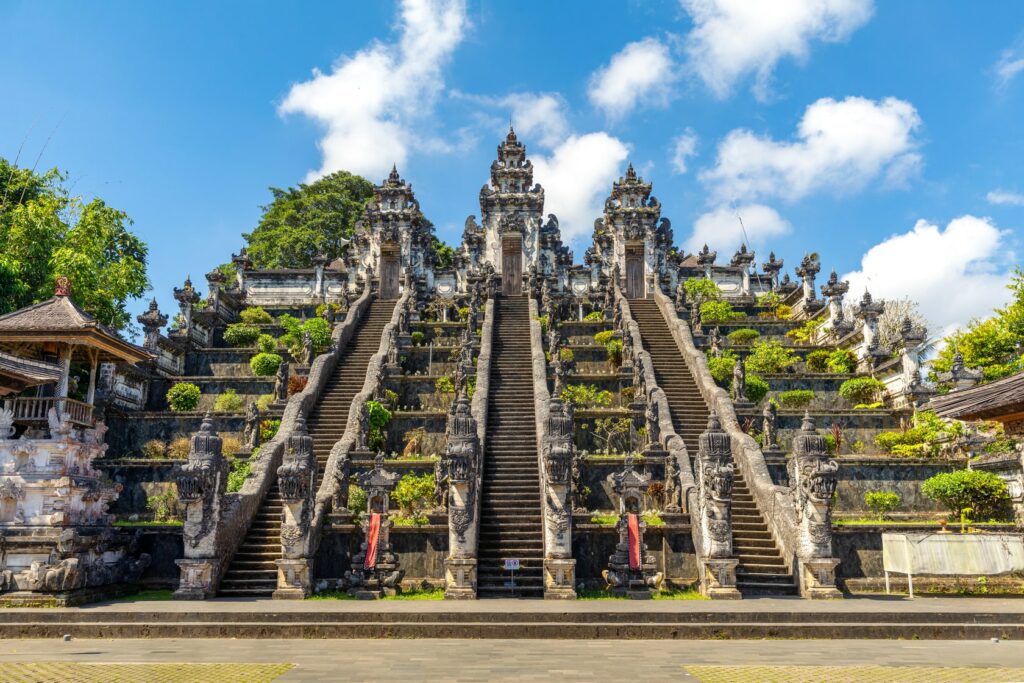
[(885, 136)]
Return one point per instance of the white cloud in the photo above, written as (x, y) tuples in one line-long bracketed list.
[(1004, 197), (640, 74), (1011, 63), (576, 177), (955, 274), (734, 38), (839, 145), (369, 102), (683, 147), (721, 230), (540, 118)]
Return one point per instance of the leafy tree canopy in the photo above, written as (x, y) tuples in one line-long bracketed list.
[(304, 221), (47, 233), (993, 344)]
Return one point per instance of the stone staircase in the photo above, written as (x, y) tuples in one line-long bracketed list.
[(761, 570), (510, 522), (252, 572)]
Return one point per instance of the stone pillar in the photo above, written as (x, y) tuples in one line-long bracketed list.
[(835, 290), (714, 477), (296, 477), (187, 297), (215, 281), (242, 264), (152, 322), (559, 565), (459, 470), (706, 259), (807, 271), (868, 312), (812, 477), (771, 268), (912, 339), (742, 260), (202, 482), (319, 266)]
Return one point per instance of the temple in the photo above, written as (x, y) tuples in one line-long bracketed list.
[(509, 424)]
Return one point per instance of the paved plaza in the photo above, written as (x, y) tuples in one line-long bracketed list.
[(508, 660)]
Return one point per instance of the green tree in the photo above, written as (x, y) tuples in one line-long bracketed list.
[(443, 253), (993, 344), (47, 233), (307, 220)]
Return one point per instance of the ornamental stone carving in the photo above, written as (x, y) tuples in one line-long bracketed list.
[(631, 568)]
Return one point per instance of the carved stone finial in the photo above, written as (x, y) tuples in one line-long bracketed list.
[(63, 286)]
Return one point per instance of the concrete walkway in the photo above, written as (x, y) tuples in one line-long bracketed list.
[(871, 605), (536, 660)]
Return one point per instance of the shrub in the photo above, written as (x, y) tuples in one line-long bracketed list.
[(796, 398), (414, 493), (717, 312), (614, 349), (154, 449), (586, 396), (862, 389), (463, 312), (297, 383), (566, 355), (417, 338), (444, 385), (594, 316), (322, 308), (770, 300), (757, 388), (255, 315), (984, 492), (783, 312), (742, 336), (266, 344), (881, 503), (294, 329), (228, 402), (817, 361), (805, 332), (842, 362), (240, 471), (264, 401), (769, 357), (543, 320), (700, 290), (230, 445), (603, 338), (241, 334), (178, 448), (265, 364), (268, 429), (830, 444), (356, 499), (390, 399), (183, 397), (379, 417), (164, 506), (721, 368), (887, 441)]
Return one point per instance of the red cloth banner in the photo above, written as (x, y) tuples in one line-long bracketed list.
[(372, 539), (633, 525)]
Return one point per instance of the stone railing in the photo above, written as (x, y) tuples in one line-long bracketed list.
[(712, 540), (779, 504), (301, 529), (554, 464), (461, 565), (210, 543)]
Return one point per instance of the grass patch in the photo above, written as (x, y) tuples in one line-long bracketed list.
[(147, 596), (147, 523), (872, 521), (679, 594), (597, 594), (402, 520), (332, 595), (418, 594), (604, 520)]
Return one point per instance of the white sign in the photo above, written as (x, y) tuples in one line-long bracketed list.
[(511, 565)]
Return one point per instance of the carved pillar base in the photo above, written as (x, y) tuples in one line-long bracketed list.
[(720, 579), (818, 578), (294, 579), (460, 578), (559, 579), (197, 579)]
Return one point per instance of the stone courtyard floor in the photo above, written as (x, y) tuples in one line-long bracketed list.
[(455, 661)]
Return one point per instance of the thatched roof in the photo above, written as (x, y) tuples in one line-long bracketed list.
[(18, 374), (60, 320), (1000, 400)]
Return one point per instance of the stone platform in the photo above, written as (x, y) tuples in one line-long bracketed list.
[(871, 618)]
